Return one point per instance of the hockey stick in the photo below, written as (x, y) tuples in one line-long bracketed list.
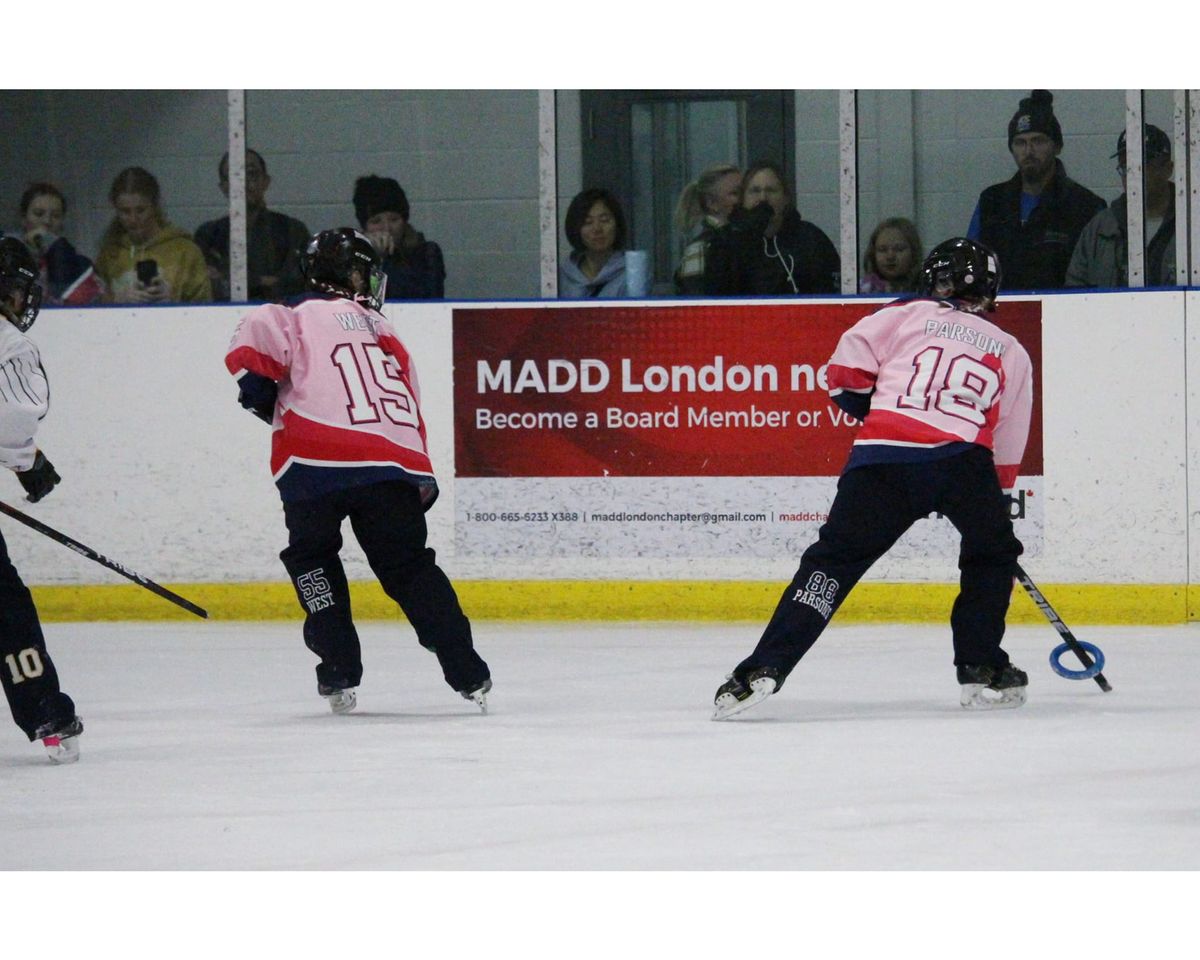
[(91, 554), (1057, 623)]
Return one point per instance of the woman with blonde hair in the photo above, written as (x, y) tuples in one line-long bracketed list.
[(704, 206), (892, 263), (143, 258)]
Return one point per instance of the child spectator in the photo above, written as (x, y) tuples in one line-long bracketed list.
[(892, 263)]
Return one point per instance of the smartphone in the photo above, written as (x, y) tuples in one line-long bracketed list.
[(147, 270)]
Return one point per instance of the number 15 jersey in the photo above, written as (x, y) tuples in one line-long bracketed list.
[(938, 378), (347, 411)]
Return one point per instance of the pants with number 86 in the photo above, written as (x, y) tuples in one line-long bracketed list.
[(875, 505)]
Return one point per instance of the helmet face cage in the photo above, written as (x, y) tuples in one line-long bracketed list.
[(333, 256), (18, 275), (964, 269)]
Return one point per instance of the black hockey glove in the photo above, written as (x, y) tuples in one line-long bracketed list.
[(257, 394), (39, 479), (752, 222)]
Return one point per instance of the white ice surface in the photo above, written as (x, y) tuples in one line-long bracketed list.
[(207, 748)]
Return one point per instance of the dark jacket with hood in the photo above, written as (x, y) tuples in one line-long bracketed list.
[(417, 269), (798, 259)]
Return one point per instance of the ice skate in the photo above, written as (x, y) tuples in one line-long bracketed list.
[(62, 745), (341, 699), (478, 696), (1008, 683), (734, 696)]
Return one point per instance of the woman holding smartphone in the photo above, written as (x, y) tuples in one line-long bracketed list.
[(143, 258)]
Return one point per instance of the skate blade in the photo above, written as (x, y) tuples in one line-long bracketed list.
[(727, 705), (973, 698), (344, 701), (61, 750), (478, 696)]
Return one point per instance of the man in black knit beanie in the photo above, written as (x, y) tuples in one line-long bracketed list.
[(1033, 219)]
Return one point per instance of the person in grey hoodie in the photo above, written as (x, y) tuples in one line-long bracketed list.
[(595, 228), (1101, 257)]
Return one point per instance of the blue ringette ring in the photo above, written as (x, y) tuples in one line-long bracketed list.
[(1087, 673)]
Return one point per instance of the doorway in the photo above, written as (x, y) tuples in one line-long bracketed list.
[(647, 145)]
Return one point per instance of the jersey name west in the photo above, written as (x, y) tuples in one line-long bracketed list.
[(348, 407)]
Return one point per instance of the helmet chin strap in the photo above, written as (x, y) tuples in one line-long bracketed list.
[(30, 306)]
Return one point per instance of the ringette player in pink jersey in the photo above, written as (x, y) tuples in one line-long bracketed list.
[(348, 441), (945, 397)]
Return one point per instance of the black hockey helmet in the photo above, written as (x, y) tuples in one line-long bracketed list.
[(962, 268), (332, 256), (19, 274)]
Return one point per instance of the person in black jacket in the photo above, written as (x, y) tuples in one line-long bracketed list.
[(415, 267), (766, 248), (273, 240), (1033, 220)]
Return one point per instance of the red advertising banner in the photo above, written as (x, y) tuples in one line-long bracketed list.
[(703, 390)]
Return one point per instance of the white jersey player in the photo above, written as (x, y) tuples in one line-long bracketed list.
[(27, 673), (945, 397)]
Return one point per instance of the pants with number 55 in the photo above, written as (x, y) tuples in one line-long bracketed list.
[(875, 505), (26, 670), (389, 524)]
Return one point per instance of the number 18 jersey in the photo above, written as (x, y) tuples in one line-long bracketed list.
[(938, 378), (348, 407)]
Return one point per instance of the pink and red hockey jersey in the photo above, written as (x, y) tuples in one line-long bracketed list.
[(348, 405), (937, 378)]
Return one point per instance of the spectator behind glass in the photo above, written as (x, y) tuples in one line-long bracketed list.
[(1033, 220), (892, 263), (595, 228), (414, 266), (143, 258), (766, 248), (704, 206), (273, 240), (67, 276), (1101, 257)]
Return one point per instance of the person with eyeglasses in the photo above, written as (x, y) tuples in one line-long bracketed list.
[(273, 240), (766, 247), (1101, 257), (1033, 220)]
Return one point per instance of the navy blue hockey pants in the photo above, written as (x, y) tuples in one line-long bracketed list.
[(874, 506), (26, 671), (389, 524)]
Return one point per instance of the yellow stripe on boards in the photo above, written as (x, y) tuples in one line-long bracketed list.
[(680, 600)]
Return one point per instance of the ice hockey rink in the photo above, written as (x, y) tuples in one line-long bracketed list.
[(597, 811), (207, 748)]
